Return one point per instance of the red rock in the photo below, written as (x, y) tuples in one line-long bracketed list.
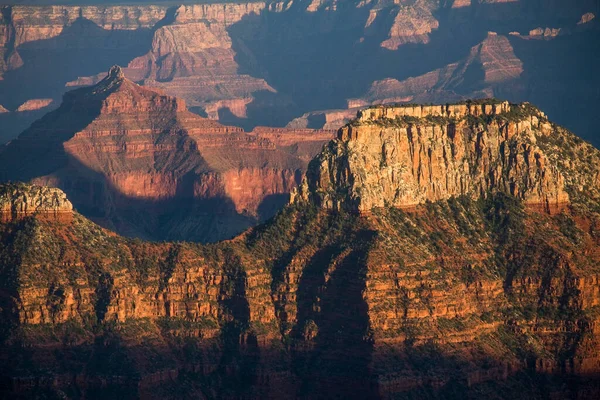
[(141, 145)]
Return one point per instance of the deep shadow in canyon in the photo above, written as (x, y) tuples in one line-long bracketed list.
[(563, 80), (81, 49), (321, 59)]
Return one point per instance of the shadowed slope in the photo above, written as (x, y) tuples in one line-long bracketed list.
[(140, 163)]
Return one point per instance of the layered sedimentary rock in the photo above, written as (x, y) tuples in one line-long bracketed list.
[(121, 150), (303, 143), (192, 57), (458, 296), (22, 25), (264, 63), (406, 155), (37, 23), (490, 67), (413, 23), (19, 201)]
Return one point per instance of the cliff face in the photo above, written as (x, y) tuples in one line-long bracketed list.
[(121, 150), (21, 25), (20, 201), (396, 304), (406, 155), (196, 52), (413, 23), (490, 67), (470, 290)]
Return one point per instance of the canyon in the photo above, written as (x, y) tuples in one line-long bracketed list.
[(384, 276), (137, 161), (309, 64), (300, 199)]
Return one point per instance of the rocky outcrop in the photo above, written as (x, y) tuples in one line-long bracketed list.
[(193, 58), (585, 18), (119, 149), (490, 67), (405, 155), (35, 104), (19, 201), (413, 23), (396, 303), (461, 3)]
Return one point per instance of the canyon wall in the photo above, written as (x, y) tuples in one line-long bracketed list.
[(405, 155), (440, 299), (253, 63), (144, 165)]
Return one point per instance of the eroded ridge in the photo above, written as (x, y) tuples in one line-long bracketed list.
[(405, 155)]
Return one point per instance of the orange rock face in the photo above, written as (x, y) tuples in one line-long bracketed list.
[(130, 144), (396, 303), (406, 155)]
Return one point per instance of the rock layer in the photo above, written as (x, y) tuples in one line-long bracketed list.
[(455, 296), (405, 155), (263, 63), (120, 150), (20, 201)]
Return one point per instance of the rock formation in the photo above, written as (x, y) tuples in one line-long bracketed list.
[(491, 66), (405, 155), (193, 57), (140, 162), (20, 201), (412, 24), (459, 296), (269, 63), (34, 104)]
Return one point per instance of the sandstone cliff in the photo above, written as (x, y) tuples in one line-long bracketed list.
[(472, 288), (19, 201), (405, 155), (121, 151)]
